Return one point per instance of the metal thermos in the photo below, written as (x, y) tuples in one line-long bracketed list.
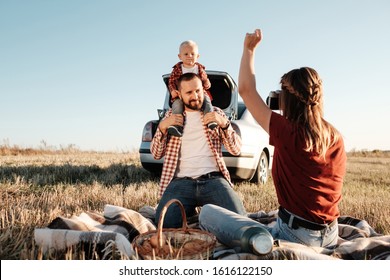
[(256, 240), (239, 232)]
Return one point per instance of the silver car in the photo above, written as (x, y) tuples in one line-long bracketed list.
[(253, 163)]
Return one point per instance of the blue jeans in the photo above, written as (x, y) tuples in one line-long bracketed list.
[(177, 106), (197, 192), (319, 238), (207, 105), (224, 225)]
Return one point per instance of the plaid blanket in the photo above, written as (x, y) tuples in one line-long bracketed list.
[(357, 241), (119, 226), (95, 232)]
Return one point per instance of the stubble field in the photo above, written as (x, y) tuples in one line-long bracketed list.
[(39, 185)]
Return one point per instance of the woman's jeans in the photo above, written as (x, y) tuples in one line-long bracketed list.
[(197, 192), (320, 238), (216, 222)]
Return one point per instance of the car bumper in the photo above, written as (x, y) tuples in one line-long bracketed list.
[(240, 167)]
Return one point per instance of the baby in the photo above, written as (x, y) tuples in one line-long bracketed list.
[(188, 55)]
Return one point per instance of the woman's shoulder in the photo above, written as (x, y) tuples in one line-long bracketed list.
[(279, 121)]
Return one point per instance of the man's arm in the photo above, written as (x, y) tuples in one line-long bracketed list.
[(230, 139), (158, 145), (160, 139)]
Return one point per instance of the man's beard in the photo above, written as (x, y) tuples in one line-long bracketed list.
[(193, 105)]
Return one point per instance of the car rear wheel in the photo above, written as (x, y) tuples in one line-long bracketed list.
[(262, 170)]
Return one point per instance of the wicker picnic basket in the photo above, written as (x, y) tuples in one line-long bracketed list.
[(174, 243)]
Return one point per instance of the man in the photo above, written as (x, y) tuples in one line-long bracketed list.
[(194, 171)]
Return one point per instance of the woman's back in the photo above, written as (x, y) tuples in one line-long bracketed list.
[(307, 184)]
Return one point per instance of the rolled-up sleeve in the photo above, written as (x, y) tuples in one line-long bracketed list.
[(230, 139), (159, 142)]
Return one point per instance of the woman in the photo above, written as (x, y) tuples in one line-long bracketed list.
[(309, 158)]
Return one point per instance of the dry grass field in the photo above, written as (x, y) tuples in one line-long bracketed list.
[(38, 185)]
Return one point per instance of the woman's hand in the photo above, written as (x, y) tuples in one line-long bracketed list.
[(253, 39)]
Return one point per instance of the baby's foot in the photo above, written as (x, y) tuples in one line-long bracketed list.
[(212, 125), (175, 130)]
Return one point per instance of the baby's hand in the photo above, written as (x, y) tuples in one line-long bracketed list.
[(174, 94)]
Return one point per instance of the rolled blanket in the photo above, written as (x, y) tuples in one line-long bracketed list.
[(95, 231), (60, 239)]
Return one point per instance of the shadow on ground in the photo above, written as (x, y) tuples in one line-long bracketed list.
[(76, 174)]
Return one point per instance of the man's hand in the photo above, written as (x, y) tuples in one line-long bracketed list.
[(174, 119), (215, 117), (252, 39)]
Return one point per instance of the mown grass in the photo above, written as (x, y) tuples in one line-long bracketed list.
[(37, 186)]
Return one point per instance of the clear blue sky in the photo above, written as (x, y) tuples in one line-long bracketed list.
[(88, 73)]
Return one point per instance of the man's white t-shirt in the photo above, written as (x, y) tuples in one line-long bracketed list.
[(196, 157)]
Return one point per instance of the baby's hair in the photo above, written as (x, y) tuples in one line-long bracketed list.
[(187, 43)]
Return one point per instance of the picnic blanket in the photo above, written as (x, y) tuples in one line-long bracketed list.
[(119, 226), (94, 231), (357, 241)]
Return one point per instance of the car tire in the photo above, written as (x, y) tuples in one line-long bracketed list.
[(262, 170)]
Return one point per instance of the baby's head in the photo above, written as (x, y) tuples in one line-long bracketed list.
[(188, 53)]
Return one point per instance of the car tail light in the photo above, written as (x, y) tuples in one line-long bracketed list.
[(236, 128), (147, 133)]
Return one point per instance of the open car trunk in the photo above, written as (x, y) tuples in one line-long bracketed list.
[(221, 90)]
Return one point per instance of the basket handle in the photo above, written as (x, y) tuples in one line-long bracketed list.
[(162, 216)]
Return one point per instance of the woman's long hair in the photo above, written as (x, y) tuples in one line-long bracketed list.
[(302, 103)]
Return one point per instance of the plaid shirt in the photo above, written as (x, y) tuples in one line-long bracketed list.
[(177, 72), (169, 146)]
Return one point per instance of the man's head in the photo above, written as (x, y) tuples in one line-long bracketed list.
[(190, 91), (188, 53)]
